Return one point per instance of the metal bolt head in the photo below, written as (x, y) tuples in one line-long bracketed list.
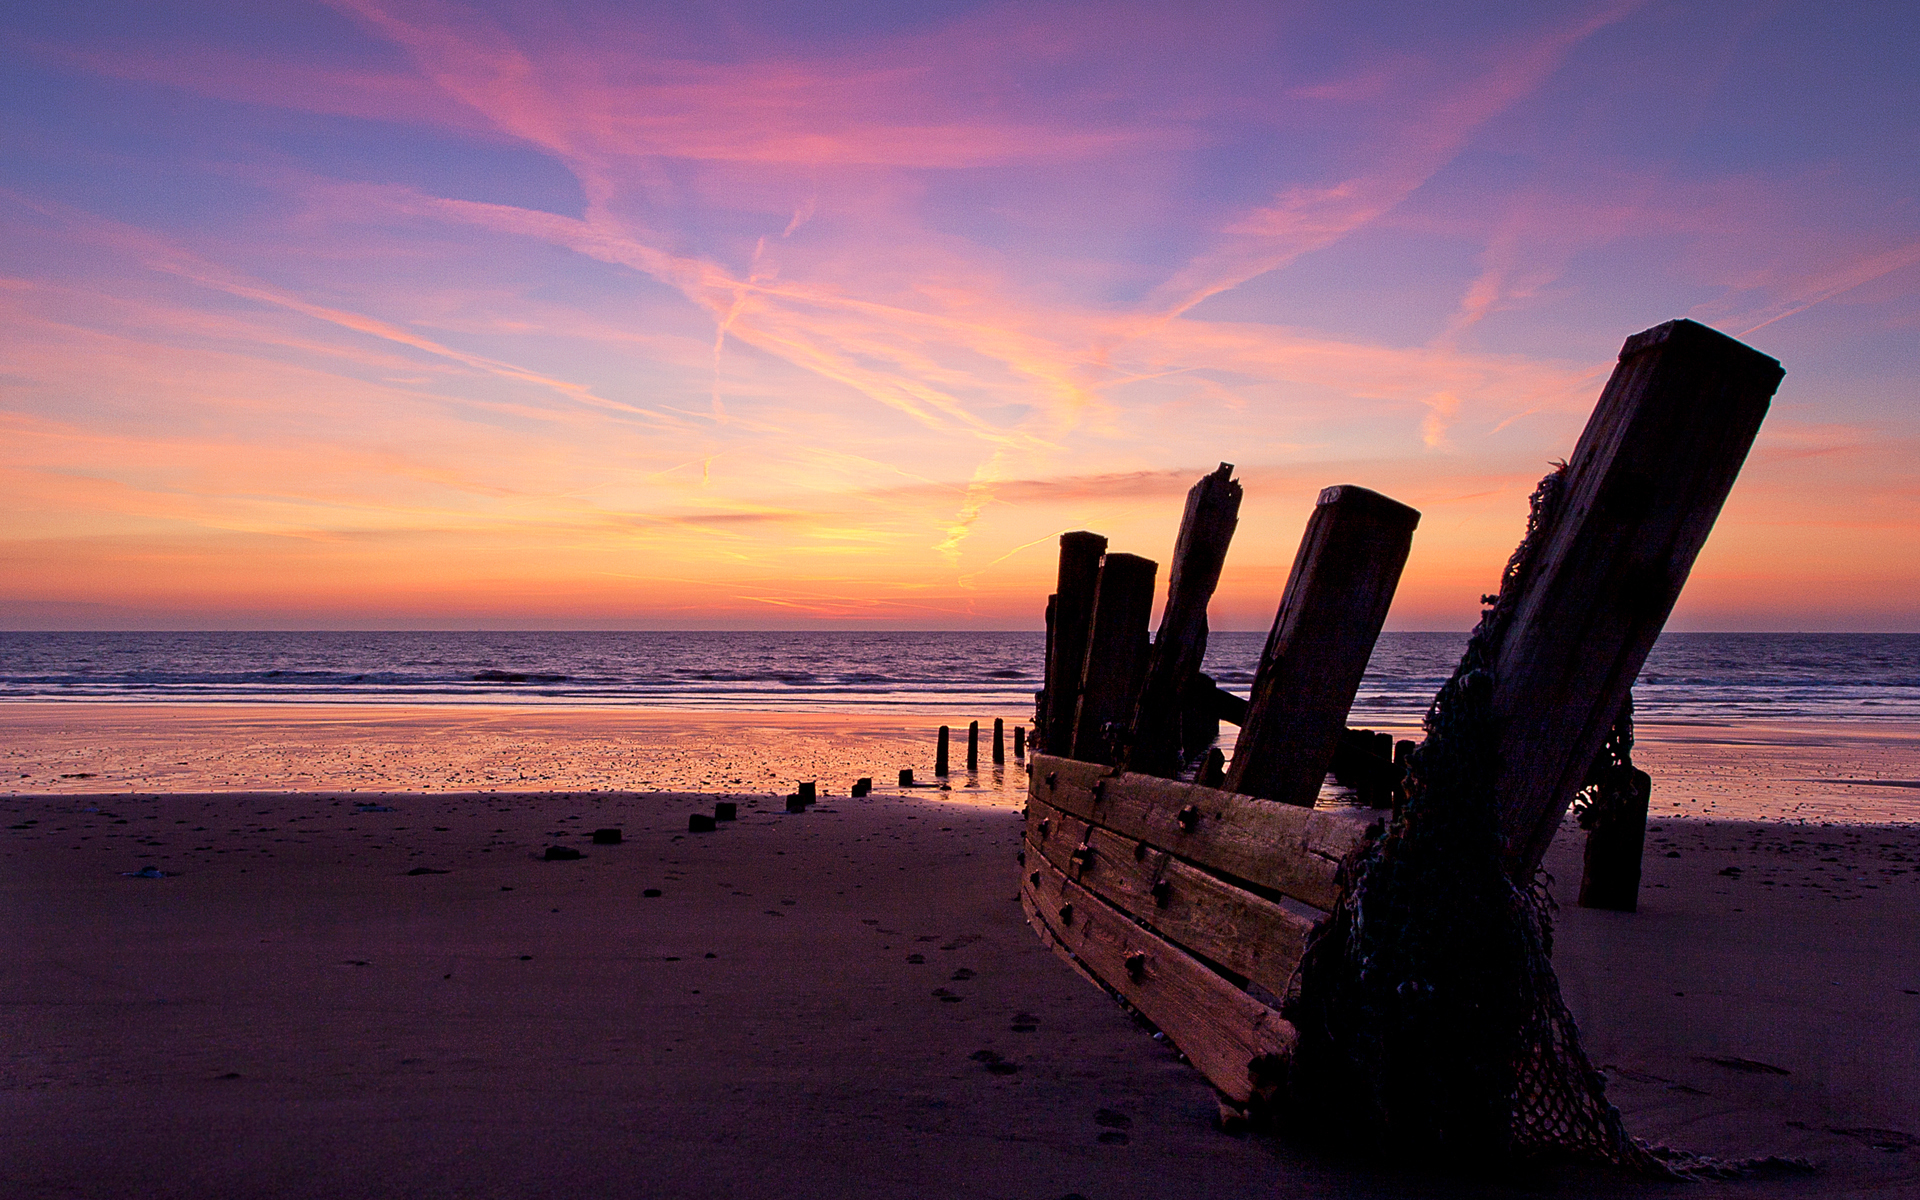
[(1034, 879), (1045, 824), (1053, 779), (1161, 890), (1066, 913), (1189, 817), (1137, 964)]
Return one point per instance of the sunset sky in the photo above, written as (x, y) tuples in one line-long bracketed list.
[(719, 315)]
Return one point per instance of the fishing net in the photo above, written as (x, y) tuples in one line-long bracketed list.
[(1427, 1004)]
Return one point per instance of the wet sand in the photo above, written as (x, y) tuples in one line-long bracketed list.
[(292, 1012), (115, 747)]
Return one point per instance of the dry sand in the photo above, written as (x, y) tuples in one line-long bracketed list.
[(291, 1013)]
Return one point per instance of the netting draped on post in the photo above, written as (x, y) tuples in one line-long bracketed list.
[(1427, 1005)]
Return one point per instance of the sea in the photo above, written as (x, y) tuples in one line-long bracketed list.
[(1707, 677)]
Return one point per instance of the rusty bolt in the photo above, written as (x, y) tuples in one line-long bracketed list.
[(1053, 779), (1083, 853), (1188, 818), (1066, 913), (1034, 879), (1045, 824), (1137, 964), (1161, 890)]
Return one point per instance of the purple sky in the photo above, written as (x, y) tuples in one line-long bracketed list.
[(721, 315)]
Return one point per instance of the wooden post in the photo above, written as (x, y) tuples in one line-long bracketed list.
[(940, 754), (1072, 617), (999, 741), (1610, 866), (973, 745), (1116, 655), (1046, 670), (1213, 509), (1343, 581), (1019, 741), (1644, 486)]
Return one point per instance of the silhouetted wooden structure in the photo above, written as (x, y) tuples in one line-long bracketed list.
[(1193, 903)]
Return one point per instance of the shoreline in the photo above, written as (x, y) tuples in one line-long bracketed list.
[(1775, 771)]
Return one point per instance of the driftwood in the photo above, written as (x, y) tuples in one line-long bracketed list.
[(1343, 580)]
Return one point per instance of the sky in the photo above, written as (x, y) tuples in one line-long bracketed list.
[(395, 314)]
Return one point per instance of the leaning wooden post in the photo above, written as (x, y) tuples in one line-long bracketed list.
[(1116, 656), (1343, 581), (1639, 496), (940, 753), (1072, 616), (1213, 509)]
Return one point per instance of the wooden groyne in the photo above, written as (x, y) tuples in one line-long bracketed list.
[(1196, 904)]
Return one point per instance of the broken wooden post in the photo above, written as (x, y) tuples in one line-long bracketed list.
[(1067, 647), (1636, 502), (1213, 509), (973, 745), (999, 741), (1116, 654), (1343, 580), (940, 754)]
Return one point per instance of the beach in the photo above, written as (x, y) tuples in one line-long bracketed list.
[(389, 991)]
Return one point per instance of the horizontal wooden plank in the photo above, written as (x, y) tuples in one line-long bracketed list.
[(1292, 850), (1247, 934), (1221, 1029)]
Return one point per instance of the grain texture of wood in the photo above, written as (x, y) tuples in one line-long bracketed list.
[(1080, 553), (1247, 934), (1222, 1030), (1337, 596), (1116, 657), (1213, 510), (1640, 494), (1279, 847)]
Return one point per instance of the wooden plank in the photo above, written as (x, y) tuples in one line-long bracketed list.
[(1072, 616), (1280, 847), (1213, 509), (1116, 655), (1247, 934), (1337, 596), (1645, 484), (1222, 1030), (1227, 706)]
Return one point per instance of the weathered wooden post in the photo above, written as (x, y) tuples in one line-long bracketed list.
[(1213, 509), (999, 741), (973, 745), (1019, 741), (1610, 864), (1337, 596), (1644, 486), (1116, 654), (1072, 610), (940, 754)]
